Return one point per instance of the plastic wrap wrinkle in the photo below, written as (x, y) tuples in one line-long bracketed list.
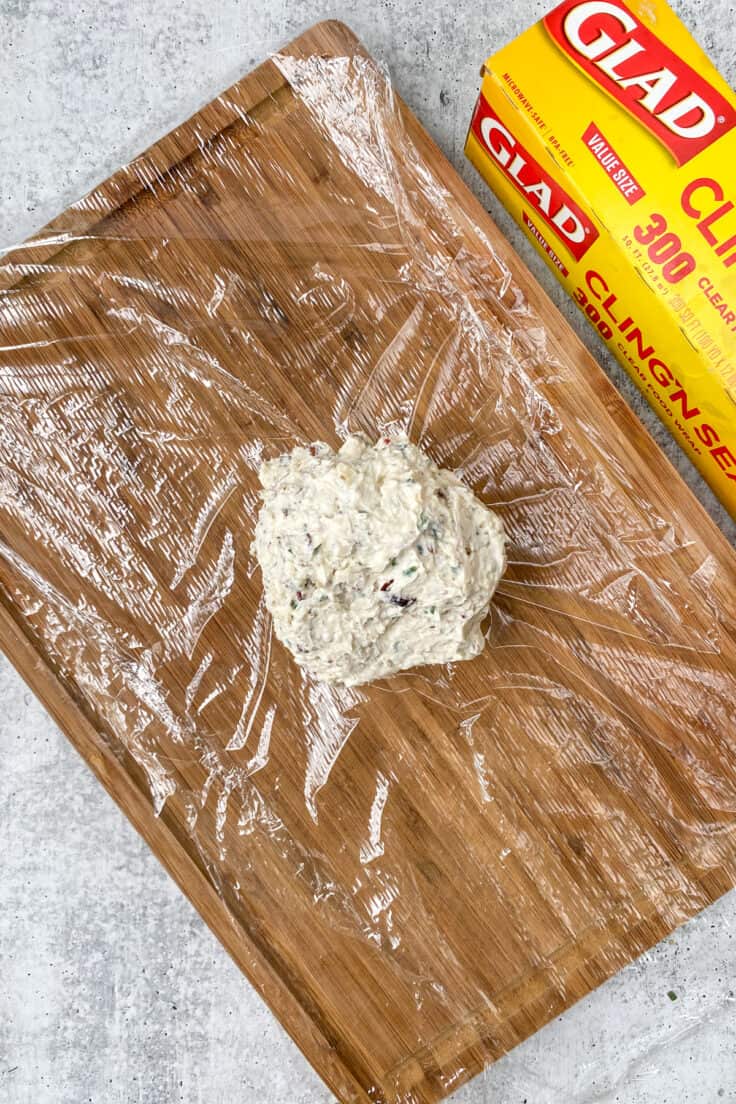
[(129, 455)]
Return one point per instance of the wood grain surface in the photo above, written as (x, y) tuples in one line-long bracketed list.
[(486, 844)]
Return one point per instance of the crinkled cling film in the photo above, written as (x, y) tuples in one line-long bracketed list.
[(419, 872)]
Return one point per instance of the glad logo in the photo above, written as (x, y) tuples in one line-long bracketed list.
[(568, 221), (624, 57)]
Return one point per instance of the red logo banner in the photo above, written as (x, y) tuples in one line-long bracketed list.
[(681, 109)]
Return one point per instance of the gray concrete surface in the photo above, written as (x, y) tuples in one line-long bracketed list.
[(111, 989)]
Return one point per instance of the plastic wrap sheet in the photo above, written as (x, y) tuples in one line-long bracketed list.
[(439, 862)]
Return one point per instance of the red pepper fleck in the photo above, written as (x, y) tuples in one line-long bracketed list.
[(387, 440), (299, 595), (387, 585), (312, 450)]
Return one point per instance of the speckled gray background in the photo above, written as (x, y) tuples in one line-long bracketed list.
[(111, 989)]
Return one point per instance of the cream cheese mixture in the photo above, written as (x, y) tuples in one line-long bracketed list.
[(374, 560)]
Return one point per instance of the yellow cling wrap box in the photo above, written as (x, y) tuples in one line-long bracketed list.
[(611, 138)]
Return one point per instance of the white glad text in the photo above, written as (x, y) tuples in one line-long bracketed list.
[(502, 145), (610, 54)]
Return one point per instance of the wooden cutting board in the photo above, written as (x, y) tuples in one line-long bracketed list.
[(419, 875)]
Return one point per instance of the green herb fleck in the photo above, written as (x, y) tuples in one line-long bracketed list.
[(432, 609), (410, 570), (672, 995), (393, 562), (294, 603)]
